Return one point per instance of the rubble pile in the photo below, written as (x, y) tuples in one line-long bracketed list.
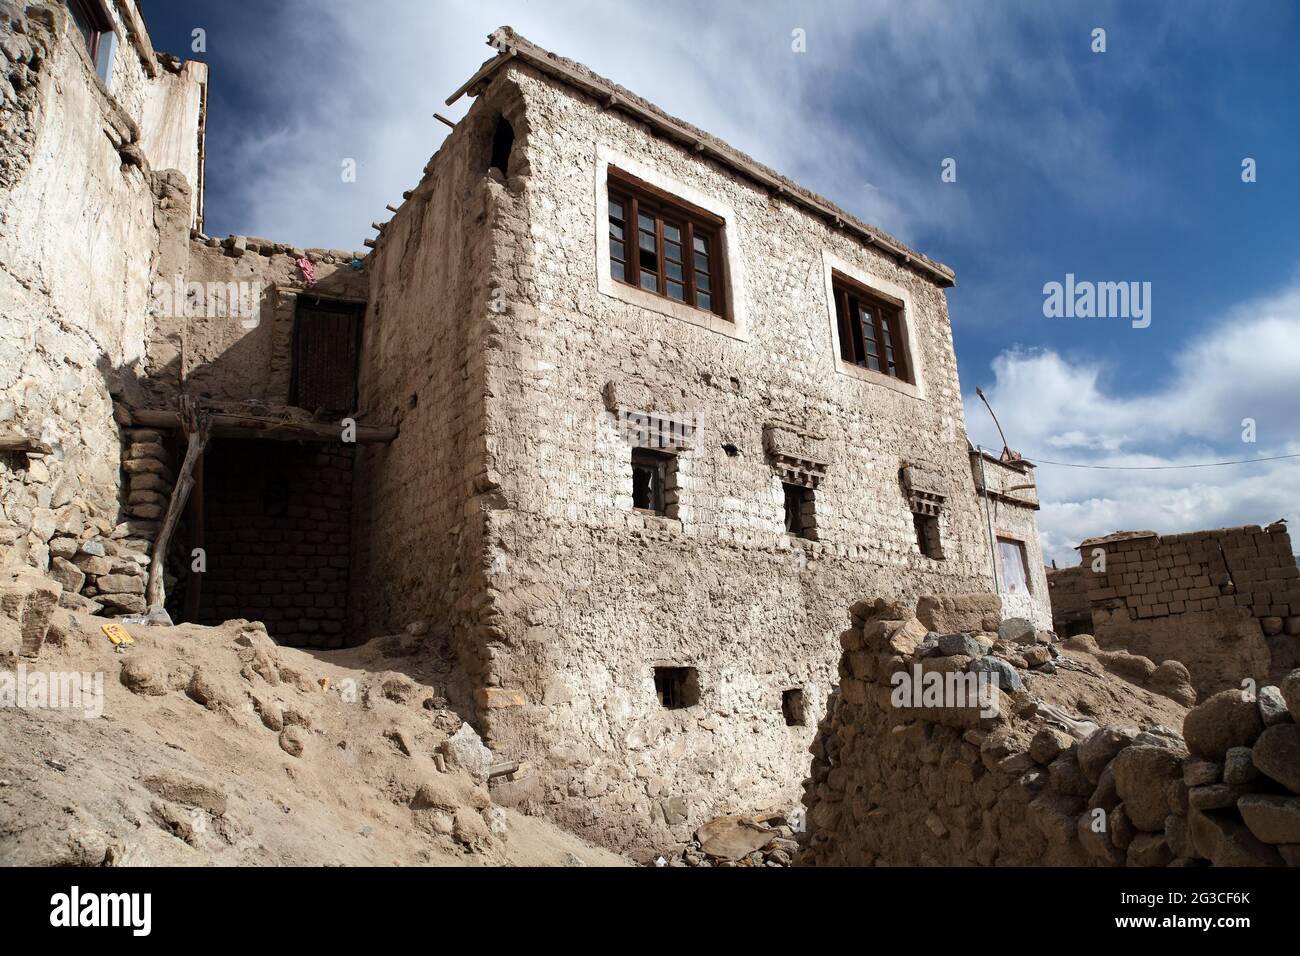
[(765, 839), (199, 745)]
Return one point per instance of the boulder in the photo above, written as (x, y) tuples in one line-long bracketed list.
[(1048, 744), (213, 690), (29, 599), (1174, 681), (1149, 849), (1272, 819), (1224, 841), (67, 574), (1198, 773), (1065, 776), (1132, 666), (126, 603), (1122, 830), (464, 750), (1228, 719), (1141, 773), (951, 645), (1007, 677), (1213, 796), (948, 613), (293, 740), (1272, 706), (1105, 795), (1290, 688), (1276, 754), (1096, 842), (120, 584), (732, 837), (1238, 767), (1100, 747), (1176, 835), (1036, 655), (94, 565), (144, 674), (894, 636), (1017, 630)]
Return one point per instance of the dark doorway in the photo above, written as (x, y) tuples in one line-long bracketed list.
[(277, 535), (326, 348)]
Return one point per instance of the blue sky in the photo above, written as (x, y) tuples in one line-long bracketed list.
[(1115, 166)]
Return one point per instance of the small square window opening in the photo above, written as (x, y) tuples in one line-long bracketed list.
[(677, 687), (792, 708), (800, 515), (927, 535), (654, 482)]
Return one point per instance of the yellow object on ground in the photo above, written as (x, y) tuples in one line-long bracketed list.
[(117, 634)]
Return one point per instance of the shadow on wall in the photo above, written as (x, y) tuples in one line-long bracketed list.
[(266, 533)]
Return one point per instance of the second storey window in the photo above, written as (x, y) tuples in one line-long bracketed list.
[(664, 247), (1011, 555), (871, 330), (96, 27)]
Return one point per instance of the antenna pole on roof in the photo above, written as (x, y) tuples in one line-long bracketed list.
[(1007, 453)]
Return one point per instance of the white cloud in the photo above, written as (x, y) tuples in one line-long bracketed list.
[(362, 82), (1079, 411)]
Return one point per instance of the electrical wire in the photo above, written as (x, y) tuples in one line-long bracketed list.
[(1205, 464)]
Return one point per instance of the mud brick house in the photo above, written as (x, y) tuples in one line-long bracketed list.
[(1225, 602), (627, 418)]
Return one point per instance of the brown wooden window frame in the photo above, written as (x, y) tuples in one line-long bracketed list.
[(864, 317), (696, 228)]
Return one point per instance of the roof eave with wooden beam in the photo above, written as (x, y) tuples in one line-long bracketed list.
[(512, 46)]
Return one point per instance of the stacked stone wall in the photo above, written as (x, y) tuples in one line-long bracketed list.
[(1033, 784)]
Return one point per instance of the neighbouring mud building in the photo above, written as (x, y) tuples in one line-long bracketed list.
[(627, 417), (1225, 603)]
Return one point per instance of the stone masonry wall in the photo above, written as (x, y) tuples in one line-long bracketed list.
[(79, 234), (1034, 784), (1011, 500), (587, 596)]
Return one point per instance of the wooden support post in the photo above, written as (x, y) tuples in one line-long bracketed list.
[(196, 431), (194, 527)]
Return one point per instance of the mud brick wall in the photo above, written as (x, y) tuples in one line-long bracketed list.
[(1156, 576), (424, 500), (278, 529), (1071, 612)]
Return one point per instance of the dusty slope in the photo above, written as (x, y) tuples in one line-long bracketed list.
[(218, 747)]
